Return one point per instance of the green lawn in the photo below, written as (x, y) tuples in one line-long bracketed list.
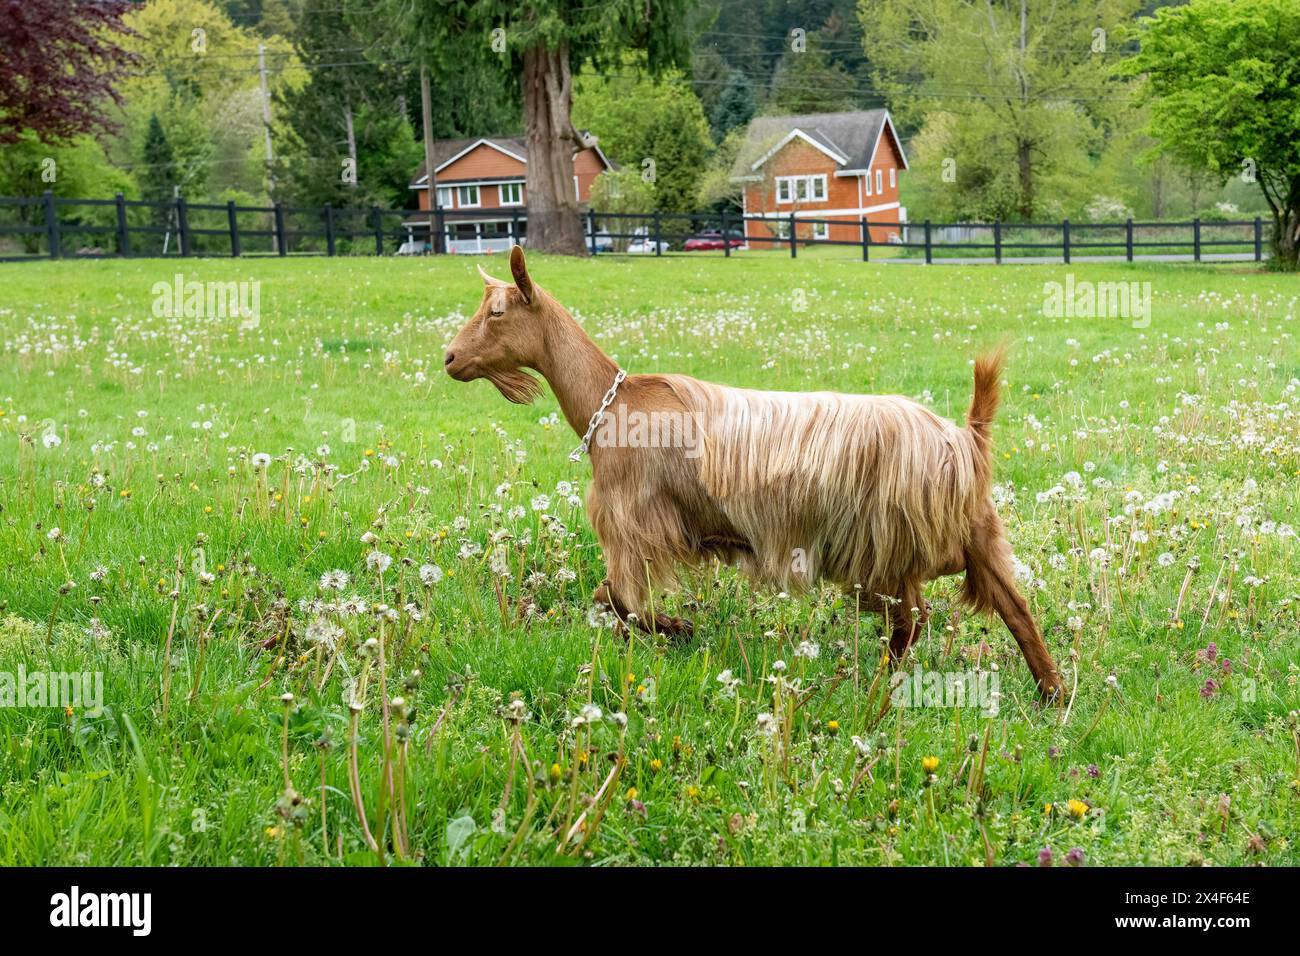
[(1147, 478)]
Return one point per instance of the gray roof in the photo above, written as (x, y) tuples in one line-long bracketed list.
[(850, 136)]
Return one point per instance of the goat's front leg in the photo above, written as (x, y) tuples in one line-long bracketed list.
[(635, 540), (629, 603), (626, 591)]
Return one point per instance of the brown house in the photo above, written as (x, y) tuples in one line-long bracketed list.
[(823, 166), (481, 181)]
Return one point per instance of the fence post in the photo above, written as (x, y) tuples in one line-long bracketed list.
[(997, 242), (1065, 240), (1196, 239), (657, 232), (929, 258), (794, 237), (437, 244), (377, 222), (1128, 239), (52, 236), (726, 238), (514, 227), (329, 229), (232, 216), (123, 237), (183, 224), (281, 243), (591, 227), (866, 238), (1259, 239)]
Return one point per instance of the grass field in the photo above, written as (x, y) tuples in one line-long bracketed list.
[(1147, 477)]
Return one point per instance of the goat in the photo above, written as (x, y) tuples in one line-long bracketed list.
[(868, 491)]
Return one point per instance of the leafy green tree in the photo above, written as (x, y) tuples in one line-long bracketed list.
[(1025, 88), (77, 169), (657, 127), (542, 43), (807, 81), (197, 73), (623, 190), (716, 189), (344, 137), (1222, 80)]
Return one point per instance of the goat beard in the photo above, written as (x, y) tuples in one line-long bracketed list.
[(518, 387)]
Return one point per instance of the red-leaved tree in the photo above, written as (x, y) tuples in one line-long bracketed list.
[(59, 64)]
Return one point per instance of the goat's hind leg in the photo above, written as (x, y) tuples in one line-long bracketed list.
[(991, 585)]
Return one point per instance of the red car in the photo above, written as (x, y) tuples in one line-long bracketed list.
[(712, 239)]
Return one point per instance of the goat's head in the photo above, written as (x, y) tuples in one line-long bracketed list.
[(503, 336)]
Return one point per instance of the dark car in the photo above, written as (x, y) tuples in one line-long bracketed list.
[(712, 239)]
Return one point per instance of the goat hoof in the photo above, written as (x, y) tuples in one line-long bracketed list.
[(674, 626)]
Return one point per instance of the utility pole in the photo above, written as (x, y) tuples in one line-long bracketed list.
[(266, 124), (426, 108), (352, 143)]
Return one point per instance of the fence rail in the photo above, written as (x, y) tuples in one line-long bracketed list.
[(50, 226)]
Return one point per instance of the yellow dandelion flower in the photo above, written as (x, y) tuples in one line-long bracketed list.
[(833, 726), (1077, 808), (929, 764), (656, 765), (631, 794)]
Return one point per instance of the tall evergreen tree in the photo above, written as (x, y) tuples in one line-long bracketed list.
[(159, 176)]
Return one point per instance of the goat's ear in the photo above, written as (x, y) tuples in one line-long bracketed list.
[(520, 271)]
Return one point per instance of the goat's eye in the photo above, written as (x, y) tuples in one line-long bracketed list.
[(495, 312)]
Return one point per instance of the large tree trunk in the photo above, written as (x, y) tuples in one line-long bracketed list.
[(1283, 198), (1286, 238), (554, 219)]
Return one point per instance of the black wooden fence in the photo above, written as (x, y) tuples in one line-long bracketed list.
[(50, 226)]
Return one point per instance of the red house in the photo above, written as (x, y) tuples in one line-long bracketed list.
[(833, 166), (485, 176)]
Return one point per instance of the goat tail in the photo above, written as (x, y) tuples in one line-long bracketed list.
[(984, 402)]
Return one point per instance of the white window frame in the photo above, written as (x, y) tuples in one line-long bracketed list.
[(892, 181), (868, 179), (879, 179), (513, 188), (821, 230), (444, 197), (790, 186), (460, 197), (781, 228)]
